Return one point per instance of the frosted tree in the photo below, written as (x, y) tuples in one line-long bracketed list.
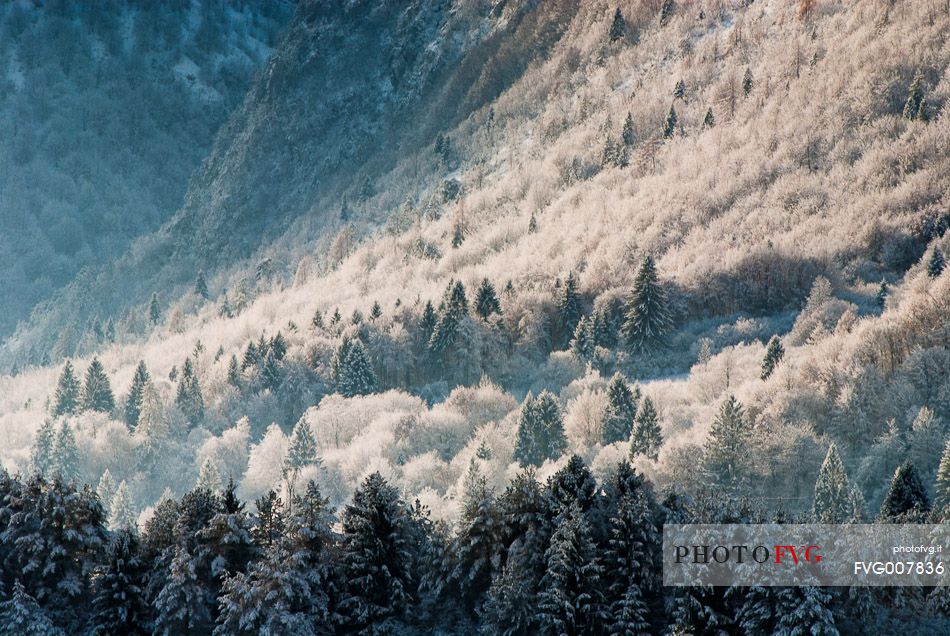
[(627, 134), (478, 544), (666, 11), (270, 520), (540, 430), (66, 463), (570, 601), (936, 263), (774, 352), (747, 82), (67, 397), (834, 496), (105, 490), (121, 512), (942, 486), (201, 286), (914, 107), (41, 455), (569, 309), (709, 120), (622, 402), (725, 454), (454, 307), (133, 403), (808, 612), (375, 312), (20, 615), (648, 322), (152, 429), (188, 397), (584, 343), (486, 300), (679, 90), (234, 372), (351, 370), (278, 344), (669, 126), (182, 605), (906, 497), (97, 391), (270, 373), (882, 293), (646, 438), (118, 605), (209, 477), (618, 27), (154, 310)]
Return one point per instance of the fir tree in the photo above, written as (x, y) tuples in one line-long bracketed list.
[(914, 106), (375, 311), (234, 372), (270, 520), (936, 263), (477, 546), (182, 605), (621, 410), (726, 450), (834, 498), (278, 346), (669, 126), (627, 134), (65, 458), (747, 82), (666, 11), (584, 343), (119, 605), (227, 537), (209, 478), (67, 397), (486, 301), (303, 449), (427, 322), (201, 286), (647, 322), (224, 308), (540, 430), (458, 235), (189, 398), (647, 438), (774, 352), (106, 491), (906, 497), (22, 616), (679, 91), (807, 611), (942, 486), (709, 121), (569, 310), (618, 28), (133, 403), (270, 373), (251, 356), (121, 512), (454, 308), (351, 370), (533, 224), (42, 453), (154, 310), (882, 292), (97, 392), (570, 601)]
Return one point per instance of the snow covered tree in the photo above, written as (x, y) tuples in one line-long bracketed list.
[(270, 520), (97, 392), (41, 455), (486, 301), (666, 11), (627, 134), (618, 27), (209, 478), (105, 490), (303, 448), (834, 498), (747, 82), (67, 398), (375, 311), (808, 612), (154, 310), (568, 307), (118, 606), (227, 536), (66, 463), (570, 601), (648, 322), (622, 402), (647, 438), (133, 403), (278, 346), (121, 513), (584, 343), (942, 486), (906, 497), (914, 107), (709, 120), (182, 605), (573, 484), (20, 615), (936, 263), (679, 91), (270, 373), (725, 455), (669, 126), (188, 397), (376, 556), (454, 307), (477, 545), (351, 370), (882, 292), (774, 351), (540, 430), (201, 286), (234, 372)]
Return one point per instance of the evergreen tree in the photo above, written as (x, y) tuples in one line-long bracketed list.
[(808, 612), (627, 134), (234, 372), (278, 346), (648, 322), (227, 537), (936, 263), (251, 356), (540, 430), (486, 301), (65, 458), (882, 292), (569, 310), (22, 616), (376, 556), (573, 484), (477, 546), (726, 451), (647, 438), (454, 308), (209, 478), (533, 224), (375, 311), (584, 343), (709, 121), (774, 352), (119, 605), (679, 91), (669, 126), (121, 512), (41, 456), (942, 486), (154, 310), (618, 28), (570, 601), (133, 403), (224, 308), (270, 520), (747, 82), (351, 370), (834, 498), (914, 106), (67, 397), (182, 605), (427, 322), (270, 373), (303, 448), (906, 497), (106, 491), (189, 398), (621, 410), (666, 11), (97, 392), (201, 286)]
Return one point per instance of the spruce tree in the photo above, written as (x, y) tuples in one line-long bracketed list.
[(41, 455), (21, 615), (188, 397), (97, 392), (65, 457), (669, 126), (622, 402), (133, 403), (278, 345), (427, 323), (351, 370), (270, 520), (569, 310), (834, 499), (726, 451), (747, 82), (882, 292), (486, 301), (201, 286), (209, 477), (375, 311), (303, 448), (618, 27), (666, 11), (805, 610), (270, 373), (182, 604), (584, 343), (227, 537), (774, 352), (67, 398), (121, 511), (647, 438), (234, 372), (942, 485), (453, 309), (679, 91), (936, 263), (540, 430), (906, 497), (648, 322), (477, 546), (914, 106), (709, 121), (154, 310), (627, 134), (106, 491), (251, 357), (118, 605)]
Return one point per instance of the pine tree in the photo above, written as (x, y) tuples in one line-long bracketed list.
[(570, 601), (270, 373), (621, 410), (648, 322), (942, 486), (726, 450), (618, 28), (270, 520), (627, 134), (568, 306), (540, 430), (224, 307), (303, 449), (774, 352), (486, 301), (251, 356), (882, 292), (679, 91), (41, 455), (234, 372), (106, 491), (67, 397), (458, 235), (936, 263), (201, 286), (119, 605), (584, 343), (914, 106), (122, 514), (454, 308), (747, 82), (807, 612), (65, 458), (133, 403), (189, 398), (669, 126), (278, 346), (375, 311), (834, 498), (209, 477), (647, 438), (477, 546), (97, 392), (182, 605), (351, 370), (427, 322), (22, 616), (906, 497), (227, 538), (154, 310), (709, 121)]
